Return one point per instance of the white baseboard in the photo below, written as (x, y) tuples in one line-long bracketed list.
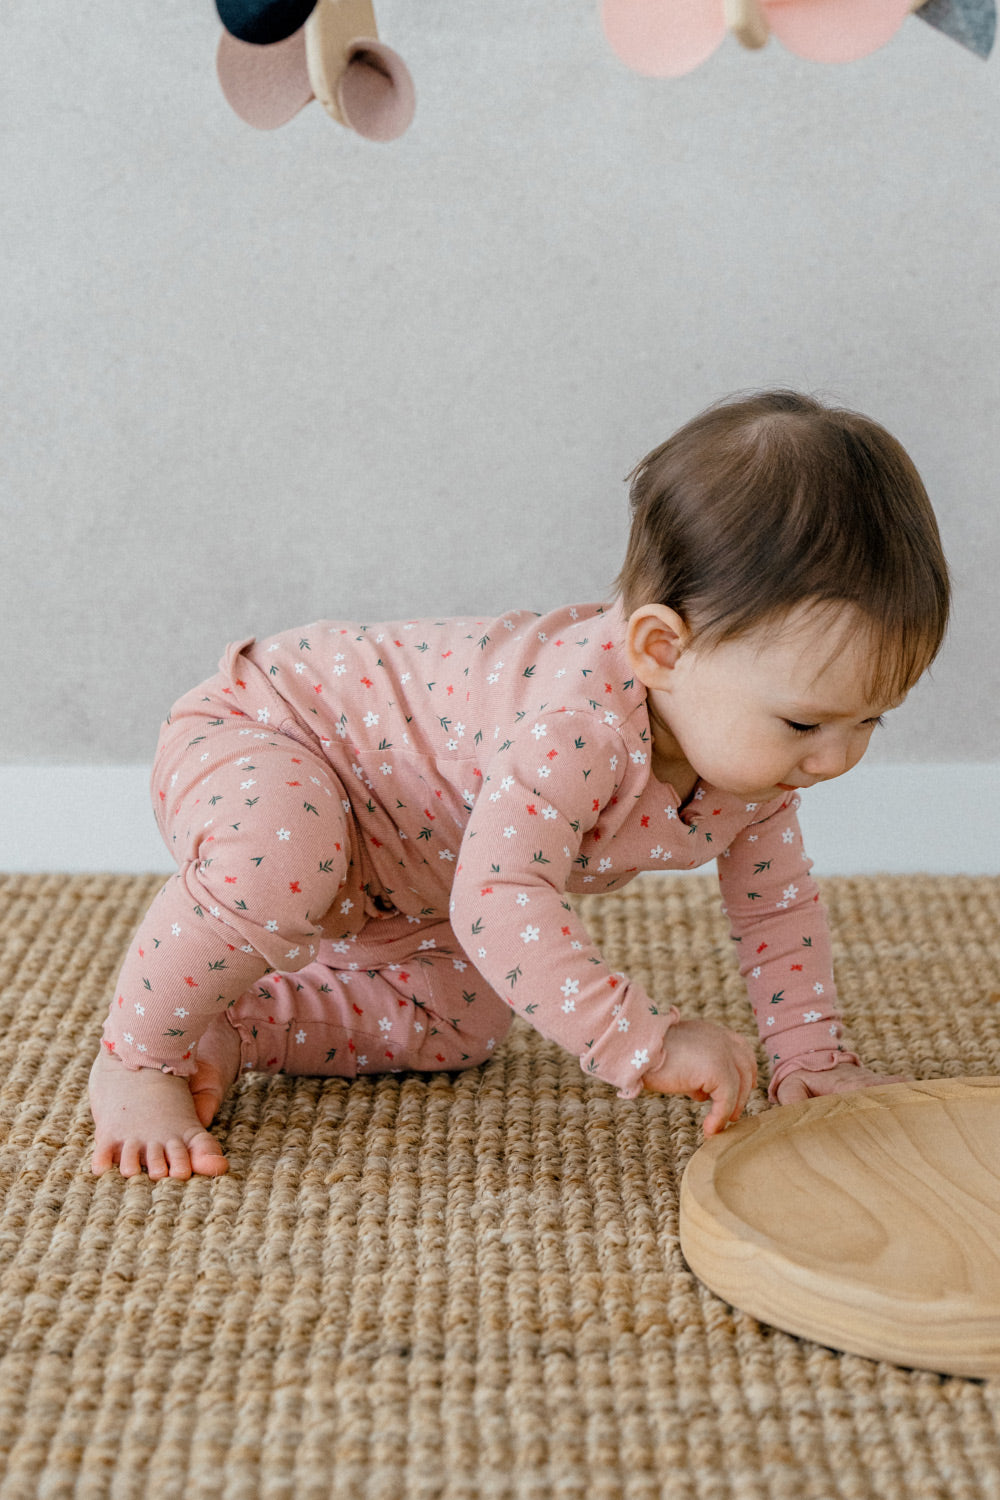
[(904, 819)]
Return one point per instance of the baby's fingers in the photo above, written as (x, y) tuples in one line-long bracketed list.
[(729, 1098)]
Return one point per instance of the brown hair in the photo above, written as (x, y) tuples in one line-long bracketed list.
[(775, 500)]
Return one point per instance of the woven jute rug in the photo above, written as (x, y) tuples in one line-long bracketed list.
[(454, 1286)]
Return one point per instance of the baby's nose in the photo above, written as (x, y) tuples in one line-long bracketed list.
[(828, 761)]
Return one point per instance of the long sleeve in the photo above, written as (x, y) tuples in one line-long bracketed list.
[(541, 801), (777, 918)]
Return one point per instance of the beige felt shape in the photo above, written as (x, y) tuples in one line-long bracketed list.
[(359, 81), (868, 1221)]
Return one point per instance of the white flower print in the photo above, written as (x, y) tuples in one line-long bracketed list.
[(544, 771), (571, 986), (300, 1037), (812, 1015), (271, 926), (293, 953), (604, 866), (445, 854), (140, 1010), (549, 813), (568, 1007), (263, 716), (817, 988), (522, 898), (623, 1023), (175, 930), (640, 1059), (284, 834), (300, 667), (459, 730), (427, 943), (246, 785), (639, 757), (509, 833), (181, 1012), (506, 783), (385, 1024), (371, 719), (790, 892), (451, 744), (385, 768), (787, 836), (346, 906), (539, 730), (530, 934)]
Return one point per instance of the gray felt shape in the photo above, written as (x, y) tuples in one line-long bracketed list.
[(973, 23)]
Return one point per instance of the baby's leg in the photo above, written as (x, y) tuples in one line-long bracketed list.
[(400, 998), (256, 876)]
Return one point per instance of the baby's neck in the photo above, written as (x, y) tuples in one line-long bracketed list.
[(675, 774)]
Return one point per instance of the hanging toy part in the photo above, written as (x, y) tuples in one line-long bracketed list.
[(668, 38), (335, 57), (263, 22), (747, 22), (358, 80)]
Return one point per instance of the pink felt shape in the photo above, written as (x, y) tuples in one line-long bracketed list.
[(667, 38), (266, 86), (663, 38), (375, 91), (834, 31)]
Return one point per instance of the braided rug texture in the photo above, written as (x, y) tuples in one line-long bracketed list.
[(460, 1286)]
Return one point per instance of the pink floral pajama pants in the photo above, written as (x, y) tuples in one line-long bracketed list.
[(265, 923)]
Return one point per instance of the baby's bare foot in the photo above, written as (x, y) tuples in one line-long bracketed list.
[(148, 1119)]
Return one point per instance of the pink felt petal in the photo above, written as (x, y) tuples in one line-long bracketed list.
[(375, 92), (663, 38), (266, 86), (833, 31)]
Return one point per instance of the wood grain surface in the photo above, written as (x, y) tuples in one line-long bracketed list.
[(867, 1221)]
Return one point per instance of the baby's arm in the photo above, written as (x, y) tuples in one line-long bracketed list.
[(511, 914), (780, 924)]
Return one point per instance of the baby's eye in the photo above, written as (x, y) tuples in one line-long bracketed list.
[(801, 728), (878, 719)]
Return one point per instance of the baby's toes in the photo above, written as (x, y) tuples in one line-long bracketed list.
[(206, 1156), (156, 1161), (176, 1160), (130, 1159)]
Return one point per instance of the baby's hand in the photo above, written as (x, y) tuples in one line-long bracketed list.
[(842, 1079), (706, 1061)]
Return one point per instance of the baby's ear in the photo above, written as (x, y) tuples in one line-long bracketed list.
[(655, 639)]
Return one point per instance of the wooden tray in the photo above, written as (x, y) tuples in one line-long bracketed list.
[(867, 1221)]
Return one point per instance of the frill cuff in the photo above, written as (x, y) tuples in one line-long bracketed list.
[(649, 1064), (809, 1062)]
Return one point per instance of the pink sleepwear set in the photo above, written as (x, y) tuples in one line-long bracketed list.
[(376, 827)]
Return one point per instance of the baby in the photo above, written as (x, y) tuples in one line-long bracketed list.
[(376, 826)]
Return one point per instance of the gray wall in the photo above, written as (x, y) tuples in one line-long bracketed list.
[(252, 379)]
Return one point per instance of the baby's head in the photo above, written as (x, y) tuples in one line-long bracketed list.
[(776, 521)]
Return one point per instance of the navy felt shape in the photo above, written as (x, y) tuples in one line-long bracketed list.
[(264, 21), (972, 23)]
